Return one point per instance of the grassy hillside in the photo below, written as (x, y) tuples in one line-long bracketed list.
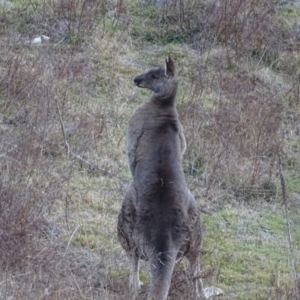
[(64, 107)]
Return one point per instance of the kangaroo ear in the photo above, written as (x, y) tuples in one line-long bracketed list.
[(170, 66)]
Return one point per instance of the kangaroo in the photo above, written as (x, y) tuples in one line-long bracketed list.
[(159, 220)]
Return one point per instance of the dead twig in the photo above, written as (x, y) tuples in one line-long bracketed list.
[(288, 227)]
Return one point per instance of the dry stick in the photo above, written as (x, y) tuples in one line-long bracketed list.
[(68, 150), (77, 285), (70, 239), (62, 128), (90, 165), (283, 188)]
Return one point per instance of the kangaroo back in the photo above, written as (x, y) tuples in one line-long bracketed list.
[(152, 116), (158, 176), (159, 221)]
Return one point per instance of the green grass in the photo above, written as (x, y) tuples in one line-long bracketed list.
[(247, 247), (72, 246), (293, 182)]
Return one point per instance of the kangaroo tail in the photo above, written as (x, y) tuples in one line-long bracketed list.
[(161, 269)]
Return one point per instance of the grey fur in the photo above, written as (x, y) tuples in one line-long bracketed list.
[(159, 219)]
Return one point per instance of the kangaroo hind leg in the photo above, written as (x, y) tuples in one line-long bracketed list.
[(134, 280), (126, 228)]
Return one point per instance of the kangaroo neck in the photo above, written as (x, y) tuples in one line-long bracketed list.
[(164, 99)]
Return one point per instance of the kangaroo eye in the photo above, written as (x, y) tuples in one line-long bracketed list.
[(153, 76)]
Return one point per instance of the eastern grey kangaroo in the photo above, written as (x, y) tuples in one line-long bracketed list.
[(159, 220)]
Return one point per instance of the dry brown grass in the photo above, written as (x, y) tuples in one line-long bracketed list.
[(63, 113)]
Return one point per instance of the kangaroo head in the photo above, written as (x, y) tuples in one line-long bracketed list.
[(162, 80)]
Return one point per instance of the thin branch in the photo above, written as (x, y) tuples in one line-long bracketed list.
[(288, 227), (70, 239), (77, 285), (91, 166)]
